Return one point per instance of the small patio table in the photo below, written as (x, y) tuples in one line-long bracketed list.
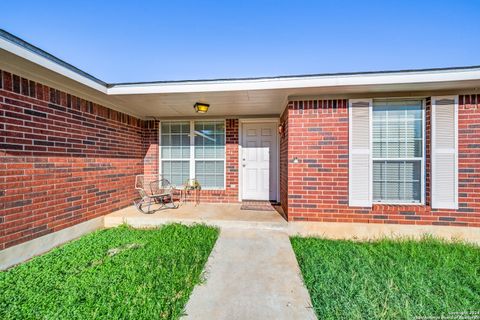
[(191, 186)]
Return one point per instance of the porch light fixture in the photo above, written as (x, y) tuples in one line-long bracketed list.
[(201, 107)]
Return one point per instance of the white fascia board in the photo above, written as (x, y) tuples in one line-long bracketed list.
[(411, 77), (50, 65)]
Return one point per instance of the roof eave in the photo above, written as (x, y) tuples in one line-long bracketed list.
[(320, 81)]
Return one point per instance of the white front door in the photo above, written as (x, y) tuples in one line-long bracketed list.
[(258, 161)]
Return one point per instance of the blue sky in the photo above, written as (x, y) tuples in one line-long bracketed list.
[(119, 41)]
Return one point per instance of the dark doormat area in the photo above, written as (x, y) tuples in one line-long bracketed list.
[(258, 205)]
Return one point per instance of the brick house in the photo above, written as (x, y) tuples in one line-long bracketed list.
[(399, 147)]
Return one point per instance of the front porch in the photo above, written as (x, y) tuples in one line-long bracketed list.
[(214, 214), (230, 215)]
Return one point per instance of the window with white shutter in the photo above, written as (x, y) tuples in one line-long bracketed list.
[(444, 152)]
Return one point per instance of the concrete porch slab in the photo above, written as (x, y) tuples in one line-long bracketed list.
[(219, 215)]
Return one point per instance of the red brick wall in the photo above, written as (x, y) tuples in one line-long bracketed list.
[(318, 184), (230, 194), (64, 160), (150, 145), (284, 162)]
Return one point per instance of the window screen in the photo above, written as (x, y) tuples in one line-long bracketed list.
[(397, 151), (210, 153), (175, 151)]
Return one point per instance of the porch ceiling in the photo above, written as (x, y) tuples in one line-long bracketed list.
[(227, 97), (229, 103)]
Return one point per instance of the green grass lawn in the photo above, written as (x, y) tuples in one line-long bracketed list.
[(389, 279), (119, 273)]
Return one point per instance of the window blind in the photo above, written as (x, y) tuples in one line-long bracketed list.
[(397, 153)]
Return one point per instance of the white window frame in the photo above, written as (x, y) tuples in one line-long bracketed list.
[(192, 158), (422, 160)]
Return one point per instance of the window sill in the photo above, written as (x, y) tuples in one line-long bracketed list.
[(398, 204)]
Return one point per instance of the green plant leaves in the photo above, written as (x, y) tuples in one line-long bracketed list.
[(119, 273), (389, 279)]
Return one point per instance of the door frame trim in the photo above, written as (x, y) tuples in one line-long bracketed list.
[(240, 140)]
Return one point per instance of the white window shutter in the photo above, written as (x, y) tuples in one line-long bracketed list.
[(444, 155), (360, 141)]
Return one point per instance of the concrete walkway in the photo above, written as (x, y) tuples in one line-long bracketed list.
[(251, 274)]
